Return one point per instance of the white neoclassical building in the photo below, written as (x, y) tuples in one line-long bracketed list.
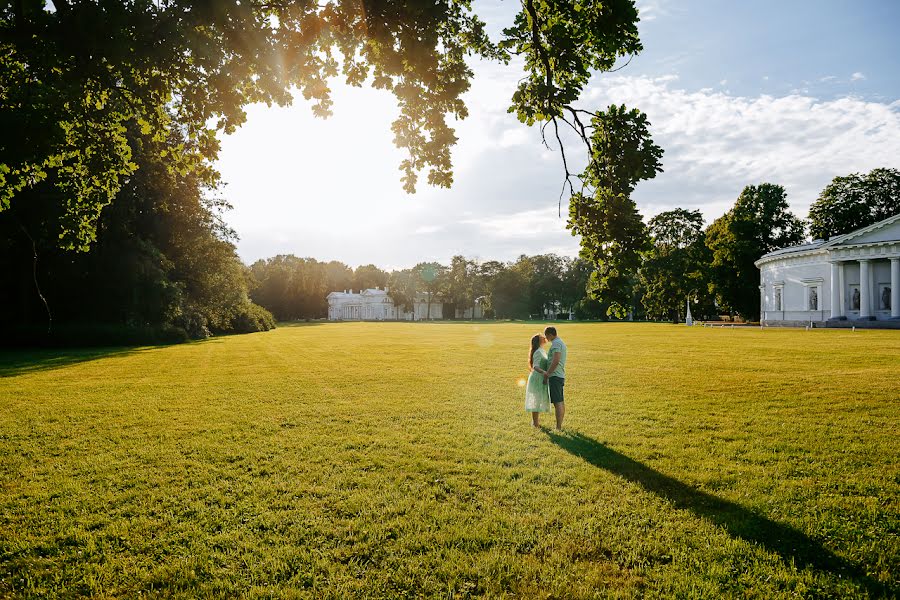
[(377, 305), (851, 279)]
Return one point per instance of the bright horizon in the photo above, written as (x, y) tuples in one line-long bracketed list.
[(817, 99)]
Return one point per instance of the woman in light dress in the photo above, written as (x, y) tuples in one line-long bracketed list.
[(537, 392)]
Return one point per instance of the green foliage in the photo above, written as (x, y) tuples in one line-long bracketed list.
[(407, 469), (563, 43), (75, 76), (162, 257), (433, 281), (624, 152), (758, 223), (676, 268), (463, 283), (249, 318), (404, 285), (613, 234), (613, 238), (545, 282), (292, 288), (369, 277), (855, 201)]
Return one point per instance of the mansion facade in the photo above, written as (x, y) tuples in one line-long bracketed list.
[(377, 305), (851, 279)]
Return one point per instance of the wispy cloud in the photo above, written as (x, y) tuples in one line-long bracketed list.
[(857, 76), (715, 141), (525, 224), (650, 10), (427, 229), (504, 199)]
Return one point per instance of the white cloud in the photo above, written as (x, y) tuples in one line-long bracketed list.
[(426, 229), (650, 10), (857, 76), (331, 189), (717, 143), (525, 224)]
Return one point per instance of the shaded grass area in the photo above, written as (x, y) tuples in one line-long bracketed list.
[(394, 460)]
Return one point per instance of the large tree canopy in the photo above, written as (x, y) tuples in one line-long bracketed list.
[(75, 74), (854, 201), (613, 234), (676, 267), (758, 223)]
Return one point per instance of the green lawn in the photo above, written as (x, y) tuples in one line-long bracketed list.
[(395, 460)]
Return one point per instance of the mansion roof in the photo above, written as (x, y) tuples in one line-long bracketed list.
[(369, 293), (877, 234)]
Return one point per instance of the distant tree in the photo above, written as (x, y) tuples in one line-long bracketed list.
[(403, 286), (758, 223), (291, 287), (434, 282), (677, 265), (855, 201), (463, 283), (509, 293), (338, 276), (613, 235), (368, 277), (545, 285), (488, 274), (575, 279)]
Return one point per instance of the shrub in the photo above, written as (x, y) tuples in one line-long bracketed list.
[(194, 323), (252, 317)]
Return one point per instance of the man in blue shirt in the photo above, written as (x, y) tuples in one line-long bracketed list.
[(556, 374)]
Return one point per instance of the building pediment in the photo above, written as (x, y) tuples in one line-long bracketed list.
[(370, 292), (878, 238), (887, 230)]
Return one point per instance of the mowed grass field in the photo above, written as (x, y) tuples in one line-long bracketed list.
[(395, 461)]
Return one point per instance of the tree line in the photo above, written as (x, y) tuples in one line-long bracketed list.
[(164, 265), (677, 258)]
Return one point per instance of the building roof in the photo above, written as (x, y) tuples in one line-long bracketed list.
[(352, 294), (817, 246)]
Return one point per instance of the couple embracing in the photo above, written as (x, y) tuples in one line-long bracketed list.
[(548, 377)]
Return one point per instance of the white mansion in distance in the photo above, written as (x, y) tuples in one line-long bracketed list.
[(377, 305), (848, 280)]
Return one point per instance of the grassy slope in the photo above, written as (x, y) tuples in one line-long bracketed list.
[(389, 460)]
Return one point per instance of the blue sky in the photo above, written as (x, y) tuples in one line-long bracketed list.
[(771, 47), (793, 93)]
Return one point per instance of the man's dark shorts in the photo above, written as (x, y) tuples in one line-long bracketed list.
[(556, 390)]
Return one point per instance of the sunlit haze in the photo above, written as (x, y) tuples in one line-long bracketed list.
[(777, 102)]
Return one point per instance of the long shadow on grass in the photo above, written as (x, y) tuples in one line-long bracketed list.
[(792, 545), (23, 362)]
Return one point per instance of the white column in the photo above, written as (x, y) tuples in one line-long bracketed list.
[(895, 288), (762, 303), (843, 285), (865, 291), (836, 308)]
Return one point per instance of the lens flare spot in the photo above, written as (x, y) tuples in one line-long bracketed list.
[(485, 339), (521, 382)]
